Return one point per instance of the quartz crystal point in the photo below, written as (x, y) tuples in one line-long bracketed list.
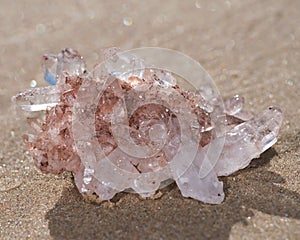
[(122, 139), (68, 61), (37, 99)]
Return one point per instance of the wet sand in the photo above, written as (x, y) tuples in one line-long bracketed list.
[(249, 47)]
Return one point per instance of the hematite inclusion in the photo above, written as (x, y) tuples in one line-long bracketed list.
[(141, 140)]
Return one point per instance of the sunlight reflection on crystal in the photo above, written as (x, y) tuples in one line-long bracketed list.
[(136, 162)]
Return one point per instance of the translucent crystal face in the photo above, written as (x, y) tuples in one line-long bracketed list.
[(130, 125), (122, 66), (49, 65), (68, 61), (37, 99)]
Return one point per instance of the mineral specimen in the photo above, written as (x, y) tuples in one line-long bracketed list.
[(125, 126)]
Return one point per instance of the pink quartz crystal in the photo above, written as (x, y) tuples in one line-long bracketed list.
[(124, 138)]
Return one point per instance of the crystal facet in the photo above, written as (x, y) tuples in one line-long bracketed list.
[(128, 126)]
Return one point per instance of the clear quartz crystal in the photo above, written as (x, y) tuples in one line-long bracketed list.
[(167, 79), (49, 64), (67, 61), (37, 99), (234, 105), (248, 140), (126, 140), (123, 65)]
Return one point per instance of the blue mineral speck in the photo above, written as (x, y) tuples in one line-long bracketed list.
[(49, 77)]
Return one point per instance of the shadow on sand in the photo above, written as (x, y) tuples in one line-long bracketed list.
[(172, 216)]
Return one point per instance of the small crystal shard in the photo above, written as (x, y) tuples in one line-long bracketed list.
[(126, 126), (123, 66), (37, 99), (68, 61)]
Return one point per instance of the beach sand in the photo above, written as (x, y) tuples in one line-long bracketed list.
[(249, 47)]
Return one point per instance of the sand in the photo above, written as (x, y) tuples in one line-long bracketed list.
[(249, 47)]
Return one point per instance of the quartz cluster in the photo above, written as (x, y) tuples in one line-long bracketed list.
[(127, 127)]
